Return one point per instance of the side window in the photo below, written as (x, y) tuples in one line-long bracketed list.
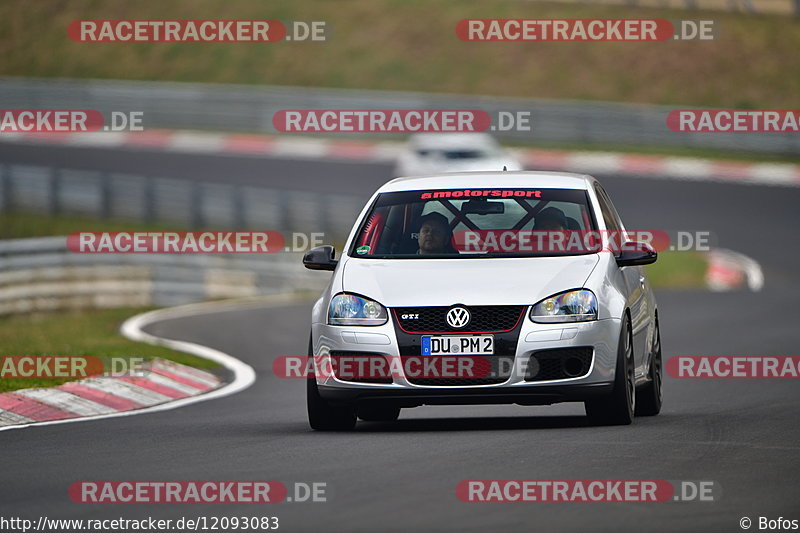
[(610, 215)]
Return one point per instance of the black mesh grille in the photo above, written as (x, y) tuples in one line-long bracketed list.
[(493, 369), (560, 363), (354, 375), (483, 318)]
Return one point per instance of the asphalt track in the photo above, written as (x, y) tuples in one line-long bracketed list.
[(742, 434)]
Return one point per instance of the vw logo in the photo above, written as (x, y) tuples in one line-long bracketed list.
[(458, 317)]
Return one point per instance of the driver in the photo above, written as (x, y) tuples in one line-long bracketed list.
[(553, 222), (435, 235), (551, 219)]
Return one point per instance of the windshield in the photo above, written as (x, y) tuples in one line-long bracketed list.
[(467, 223)]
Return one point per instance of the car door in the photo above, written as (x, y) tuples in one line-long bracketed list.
[(635, 283)]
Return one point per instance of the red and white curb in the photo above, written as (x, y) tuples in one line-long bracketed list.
[(165, 385), (258, 145), (728, 270), (160, 382)]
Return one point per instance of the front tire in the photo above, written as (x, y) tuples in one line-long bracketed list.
[(650, 396), (322, 416), (618, 408)]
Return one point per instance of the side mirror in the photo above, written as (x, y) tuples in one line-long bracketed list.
[(636, 253), (320, 258)]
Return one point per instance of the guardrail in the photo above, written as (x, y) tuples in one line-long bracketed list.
[(186, 203), (41, 274), (250, 109)]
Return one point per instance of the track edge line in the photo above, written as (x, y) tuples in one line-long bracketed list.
[(244, 374)]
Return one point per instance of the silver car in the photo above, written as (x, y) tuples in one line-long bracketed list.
[(485, 288)]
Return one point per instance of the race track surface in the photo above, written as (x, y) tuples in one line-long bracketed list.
[(742, 434)]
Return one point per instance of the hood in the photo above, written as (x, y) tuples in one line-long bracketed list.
[(443, 282)]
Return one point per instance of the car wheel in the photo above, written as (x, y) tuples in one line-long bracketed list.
[(373, 413), (322, 416), (619, 406), (649, 397)]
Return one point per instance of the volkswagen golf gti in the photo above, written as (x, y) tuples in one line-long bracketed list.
[(485, 288)]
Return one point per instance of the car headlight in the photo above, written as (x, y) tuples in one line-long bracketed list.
[(352, 310), (571, 306)]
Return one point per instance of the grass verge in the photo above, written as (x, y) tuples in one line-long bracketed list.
[(85, 333), (721, 155), (678, 270), (20, 225)]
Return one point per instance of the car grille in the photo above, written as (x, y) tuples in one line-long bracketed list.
[(483, 319), (560, 363)]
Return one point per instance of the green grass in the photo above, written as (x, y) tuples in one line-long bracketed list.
[(678, 270), (679, 151), (89, 333), (411, 45), (20, 225)]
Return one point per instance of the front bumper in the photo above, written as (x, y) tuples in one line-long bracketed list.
[(601, 335), (416, 396)]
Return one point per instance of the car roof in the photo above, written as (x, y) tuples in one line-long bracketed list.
[(443, 141), (490, 180)]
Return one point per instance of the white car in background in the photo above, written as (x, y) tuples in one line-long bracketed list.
[(434, 153)]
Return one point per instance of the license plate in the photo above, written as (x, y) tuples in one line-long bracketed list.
[(451, 345)]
